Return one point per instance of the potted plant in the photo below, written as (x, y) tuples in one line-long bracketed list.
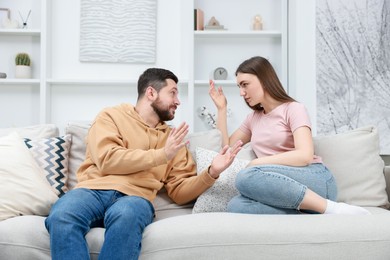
[(22, 69)]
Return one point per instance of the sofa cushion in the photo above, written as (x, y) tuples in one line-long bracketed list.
[(34, 131), (210, 140), (52, 156), (226, 236), (24, 189), (353, 158), (79, 131), (164, 207), (216, 198), (252, 236), (26, 237)]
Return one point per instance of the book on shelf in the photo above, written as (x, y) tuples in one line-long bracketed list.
[(198, 19)]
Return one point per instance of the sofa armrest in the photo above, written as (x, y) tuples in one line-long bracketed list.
[(386, 172)]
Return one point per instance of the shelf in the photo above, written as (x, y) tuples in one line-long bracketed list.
[(216, 82), (105, 82), (88, 82), (19, 82), (227, 34), (20, 32)]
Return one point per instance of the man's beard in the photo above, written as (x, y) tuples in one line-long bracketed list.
[(163, 114)]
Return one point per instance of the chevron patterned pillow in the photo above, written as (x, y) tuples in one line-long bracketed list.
[(52, 155)]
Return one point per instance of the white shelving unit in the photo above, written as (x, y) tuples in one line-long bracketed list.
[(21, 102), (63, 89), (228, 48)]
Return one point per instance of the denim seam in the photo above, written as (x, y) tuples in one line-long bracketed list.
[(297, 203), (301, 196)]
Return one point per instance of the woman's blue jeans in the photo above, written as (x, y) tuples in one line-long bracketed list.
[(73, 215), (279, 189)]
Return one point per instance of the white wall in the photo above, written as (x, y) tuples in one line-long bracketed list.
[(302, 55), (172, 50), (65, 32), (65, 44)]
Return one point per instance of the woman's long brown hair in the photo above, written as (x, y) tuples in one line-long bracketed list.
[(263, 70)]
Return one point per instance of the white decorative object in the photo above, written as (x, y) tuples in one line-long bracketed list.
[(204, 112), (22, 72), (211, 117), (214, 24), (257, 23), (122, 31), (6, 21), (10, 24)]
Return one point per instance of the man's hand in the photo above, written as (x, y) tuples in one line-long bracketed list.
[(175, 140), (224, 159)]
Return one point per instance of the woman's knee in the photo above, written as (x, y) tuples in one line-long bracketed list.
[(237, 204), (242, 179), (247, 178), (232, 205)]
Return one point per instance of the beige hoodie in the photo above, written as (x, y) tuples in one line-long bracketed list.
[(125, 154)]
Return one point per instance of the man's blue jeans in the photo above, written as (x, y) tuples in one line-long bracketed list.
[(279, 189), (72, 216)]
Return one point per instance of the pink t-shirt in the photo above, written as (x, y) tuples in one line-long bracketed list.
[(272, 133)]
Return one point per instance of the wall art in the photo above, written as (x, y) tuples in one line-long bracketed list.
[(120, 31), (353, 66)]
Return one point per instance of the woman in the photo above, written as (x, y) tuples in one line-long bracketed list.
[(286, 177)]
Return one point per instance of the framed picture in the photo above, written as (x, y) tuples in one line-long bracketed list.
[(118, 31), (353, 67)]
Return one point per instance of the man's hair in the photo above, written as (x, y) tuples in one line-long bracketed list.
[(156, 78)]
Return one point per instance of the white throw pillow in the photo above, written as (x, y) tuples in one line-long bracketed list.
[(33, 131), (24, 189), (216, 198), (353, 158)]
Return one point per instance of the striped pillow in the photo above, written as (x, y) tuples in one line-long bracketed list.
[(52, 155)]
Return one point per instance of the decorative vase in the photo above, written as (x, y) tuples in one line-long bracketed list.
[(22, 72)]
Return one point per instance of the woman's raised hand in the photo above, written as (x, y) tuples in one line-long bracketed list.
[(217, 96)]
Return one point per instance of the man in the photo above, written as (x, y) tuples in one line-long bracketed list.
[(131, 154)]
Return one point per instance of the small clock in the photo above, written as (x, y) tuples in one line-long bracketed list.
[(220, 73)]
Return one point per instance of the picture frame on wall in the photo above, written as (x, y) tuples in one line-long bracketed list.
[(118, 31)]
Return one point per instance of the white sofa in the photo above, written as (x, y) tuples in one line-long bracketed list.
[(197, 231)]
